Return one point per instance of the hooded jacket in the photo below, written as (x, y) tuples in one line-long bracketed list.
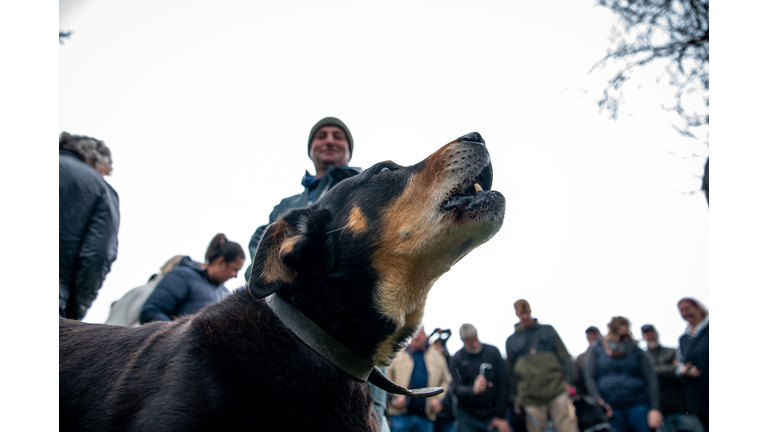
[(184, 290), (89, 218), (331, 178), (538, 365)]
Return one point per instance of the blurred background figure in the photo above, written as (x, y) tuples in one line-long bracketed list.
[(694, 357), (191, 285), (445, 421), (417, 366), (479, 384), (621, 377), (126, 311), (593, 337), (89, 219), (674, 403), (540, 373)]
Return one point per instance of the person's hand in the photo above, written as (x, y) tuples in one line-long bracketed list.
[(570, 389), (398, 402), (500, 425), (689, 370), (608, 409), (437, 406), (480, 385), (655, 419)]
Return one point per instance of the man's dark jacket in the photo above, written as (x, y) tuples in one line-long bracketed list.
[(673, 397), (331, 178), (465, 367), (89, 218), (184, 290), (696, 351)]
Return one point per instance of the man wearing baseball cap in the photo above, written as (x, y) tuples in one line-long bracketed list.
[(329, 146), (674, 400), (593, 337)]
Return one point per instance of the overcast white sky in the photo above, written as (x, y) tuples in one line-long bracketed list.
[(207, 106), (207, 110)]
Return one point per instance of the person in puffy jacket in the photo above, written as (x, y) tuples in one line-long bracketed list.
[(126, 311), (622, 379), (89, 218), (191, 285)]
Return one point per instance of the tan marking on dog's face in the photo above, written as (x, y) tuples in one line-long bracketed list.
[(358, 223), (420, 242), (273, 269)]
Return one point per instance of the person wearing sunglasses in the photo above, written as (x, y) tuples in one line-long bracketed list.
[(622, 379)]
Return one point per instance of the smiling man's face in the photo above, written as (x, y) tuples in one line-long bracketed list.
[(329, 147)]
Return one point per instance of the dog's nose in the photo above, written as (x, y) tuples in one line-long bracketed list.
[(473, 137)]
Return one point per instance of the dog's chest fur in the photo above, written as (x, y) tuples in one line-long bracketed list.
[(232, 367)]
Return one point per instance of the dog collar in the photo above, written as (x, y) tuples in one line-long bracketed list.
[(340, 356)]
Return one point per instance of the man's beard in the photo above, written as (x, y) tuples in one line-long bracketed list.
[(473, 351)]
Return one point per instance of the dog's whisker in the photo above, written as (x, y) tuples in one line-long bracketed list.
[(338, 229)]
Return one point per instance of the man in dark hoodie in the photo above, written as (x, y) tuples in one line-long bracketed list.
[(540, 373)]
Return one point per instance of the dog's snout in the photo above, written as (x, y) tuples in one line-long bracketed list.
[(473, 137)]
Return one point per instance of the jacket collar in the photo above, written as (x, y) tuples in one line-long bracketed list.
[(519, 327), (71, 153), (693, 332)]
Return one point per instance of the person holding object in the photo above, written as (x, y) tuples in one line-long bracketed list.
[(479, 385), (417, 366), (694, 357)]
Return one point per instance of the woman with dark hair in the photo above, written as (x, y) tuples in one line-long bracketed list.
[(191, 285), (622, 379), (694, 357)]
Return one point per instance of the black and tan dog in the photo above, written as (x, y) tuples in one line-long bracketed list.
[(335, 288)]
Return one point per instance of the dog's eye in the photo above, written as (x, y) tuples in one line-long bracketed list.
[(383, 170)]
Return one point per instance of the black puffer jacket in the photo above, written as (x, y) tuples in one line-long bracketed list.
[(184, 290), (89, 218)]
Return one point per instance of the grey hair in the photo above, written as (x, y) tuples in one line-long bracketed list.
[(93, 151), (467, 330)]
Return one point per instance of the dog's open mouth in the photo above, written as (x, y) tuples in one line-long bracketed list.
[(470, 192)]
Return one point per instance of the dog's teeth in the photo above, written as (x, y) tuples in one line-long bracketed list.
[(478, 188)]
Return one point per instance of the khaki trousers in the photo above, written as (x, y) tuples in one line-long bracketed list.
[(556, 409)]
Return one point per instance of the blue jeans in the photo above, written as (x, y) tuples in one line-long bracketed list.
[(681, 422), (632, 419), (411, 423)]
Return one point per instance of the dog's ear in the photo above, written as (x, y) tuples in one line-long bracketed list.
[(288, 247)]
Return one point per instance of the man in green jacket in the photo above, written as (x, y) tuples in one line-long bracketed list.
[(330, 148), (540, 373)]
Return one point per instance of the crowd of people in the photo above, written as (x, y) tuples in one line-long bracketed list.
[(538, 386), (614, 386)]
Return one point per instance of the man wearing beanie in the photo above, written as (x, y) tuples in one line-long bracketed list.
[(540, 373), (330, 146)]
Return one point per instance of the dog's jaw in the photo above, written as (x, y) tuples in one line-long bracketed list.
[(422, 240)]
